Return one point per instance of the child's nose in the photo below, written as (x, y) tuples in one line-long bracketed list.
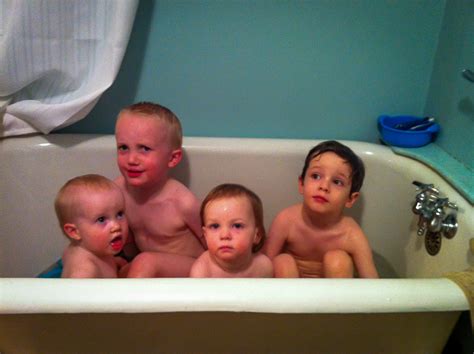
[(115, 226), (132, 158), (225, 233), (324, 184)]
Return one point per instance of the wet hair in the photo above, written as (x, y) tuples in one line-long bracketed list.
[(65, 203), (162, 113), (344, 152), (230, 190)]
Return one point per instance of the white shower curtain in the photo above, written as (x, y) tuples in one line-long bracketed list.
[(56, 59)]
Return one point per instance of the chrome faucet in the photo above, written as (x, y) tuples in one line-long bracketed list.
[(437, 215)]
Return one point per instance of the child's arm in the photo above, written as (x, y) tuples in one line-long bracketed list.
[(120, 262), (130, 249), (190, 208), (361, 253), (277, 236)]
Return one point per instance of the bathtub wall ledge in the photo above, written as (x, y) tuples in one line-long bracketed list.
[(230, 295), (456, 173)]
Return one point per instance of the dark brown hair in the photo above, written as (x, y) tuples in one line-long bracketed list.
[(344, 152)]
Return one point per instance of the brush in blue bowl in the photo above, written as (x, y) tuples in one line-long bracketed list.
[(407, 131)]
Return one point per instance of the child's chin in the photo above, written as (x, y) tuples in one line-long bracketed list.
[(134, 181)]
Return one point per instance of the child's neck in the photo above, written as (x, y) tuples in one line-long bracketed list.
[(320, 220)]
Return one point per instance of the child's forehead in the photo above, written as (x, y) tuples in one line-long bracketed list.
[(330, 157), (230, 202), (146, 125), (230, 199), (145, 118), (100, 197)]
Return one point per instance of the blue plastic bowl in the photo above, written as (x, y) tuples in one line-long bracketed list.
[(405, 138)]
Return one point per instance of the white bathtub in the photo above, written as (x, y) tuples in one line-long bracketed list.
[(412, 310)]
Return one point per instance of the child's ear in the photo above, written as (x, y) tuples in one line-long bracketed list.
[(257, 238), (71, 231), (300, 185), (352, 199), (175, 158)]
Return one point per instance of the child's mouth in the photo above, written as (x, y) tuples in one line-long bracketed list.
[(225, 248), (134, 174), (320, 199), (117, 243)]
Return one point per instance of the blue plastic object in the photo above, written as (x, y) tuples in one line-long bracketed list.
[(405, 138), (54, 271)]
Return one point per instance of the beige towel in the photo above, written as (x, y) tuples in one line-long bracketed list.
[(465, 280)]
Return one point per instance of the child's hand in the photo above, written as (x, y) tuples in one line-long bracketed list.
[(120, 262)]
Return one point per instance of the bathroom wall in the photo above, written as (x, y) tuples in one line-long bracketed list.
[(451, 97), (290, 69)]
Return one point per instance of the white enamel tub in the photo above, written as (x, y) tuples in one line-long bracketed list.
[(412, 310)]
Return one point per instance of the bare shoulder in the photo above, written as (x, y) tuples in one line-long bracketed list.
[(290, 211), (78, 264), (179, 191), (352, 228), (285, 218), (263, 265), (354, 233), (200, 268), (182, 196)]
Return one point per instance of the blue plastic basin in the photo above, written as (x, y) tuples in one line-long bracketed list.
[(405, 138)]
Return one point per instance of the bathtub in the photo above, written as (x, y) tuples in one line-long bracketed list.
[(412, 309)]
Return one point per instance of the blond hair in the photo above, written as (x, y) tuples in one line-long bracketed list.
[(230, 190), (66, 200), (162, 113)]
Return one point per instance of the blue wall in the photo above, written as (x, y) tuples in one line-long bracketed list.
[(451, 97), (290, 69)]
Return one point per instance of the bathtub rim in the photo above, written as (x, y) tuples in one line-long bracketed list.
[(28, 142), (229, 295), (25, 295)]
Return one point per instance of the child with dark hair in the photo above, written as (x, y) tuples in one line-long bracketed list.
[(232, 219), (315, 238)]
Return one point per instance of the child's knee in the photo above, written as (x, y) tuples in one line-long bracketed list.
[(338, 264), (142, 266), (284, 266)]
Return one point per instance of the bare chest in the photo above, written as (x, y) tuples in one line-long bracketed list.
[(310, 244), (158, 219)]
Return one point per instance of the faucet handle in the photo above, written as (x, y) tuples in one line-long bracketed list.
[(452, 205), (449, 226), (441, 203), (423, 187)]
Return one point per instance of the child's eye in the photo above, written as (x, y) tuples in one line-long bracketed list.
[(315, 176), (101, 219), (120, 215), (339, 182), (122, 148), (145, 148), (213, 226), (238, 225)]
